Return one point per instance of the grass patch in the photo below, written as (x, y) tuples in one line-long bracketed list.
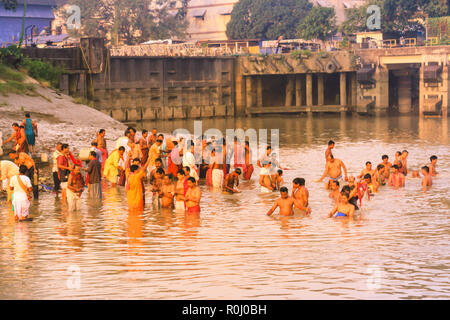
[(6, 73), (12, 86)]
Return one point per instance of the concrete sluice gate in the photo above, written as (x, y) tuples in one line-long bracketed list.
[(367, 81)]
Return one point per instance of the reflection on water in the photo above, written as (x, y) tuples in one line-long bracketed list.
[(397, 248)]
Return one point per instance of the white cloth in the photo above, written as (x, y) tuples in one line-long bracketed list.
[(217, 178), (21, 207), (265, 190), (265, 172), (179, 206), (56, 154), (19, 193), (123, 142), (189, 161), (73, 200)]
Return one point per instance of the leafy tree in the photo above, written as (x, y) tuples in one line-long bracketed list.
[(435, 8), (319, 24), (266, 19), (130, 21), (8, 4)]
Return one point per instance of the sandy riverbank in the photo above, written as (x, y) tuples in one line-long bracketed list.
[(58, 119)]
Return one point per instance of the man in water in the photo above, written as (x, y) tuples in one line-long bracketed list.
[(8, 169), (403, 159), (370, 184), (21, 187), (379, 175), (396, 179), (426, 181), (368, 169), (265, 180), (167, 192), (285, 203), (156, 187), (328, 152), (278, 181), (22, 158), (135, 188), (192, 196), (143, 145), (75, 187), (333, 170), (56, 181), (216, 165), (342, 208), (300, 195), (432, 165), (158, 165), (248, 169), (101, 145), (31, 132), (113, 165), (387, 165), (334, 194), (94, 170), (232, 180)]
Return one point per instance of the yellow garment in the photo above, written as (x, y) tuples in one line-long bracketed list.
[(112, 167), (153, 154), (135, 192)]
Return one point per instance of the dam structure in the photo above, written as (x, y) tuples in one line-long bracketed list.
[(134, 84)]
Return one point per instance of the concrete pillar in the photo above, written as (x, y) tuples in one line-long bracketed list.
[(309, 90), (249, 92), (320, 92), (404, 94), (259, 92), (73, 83), (290, 87), (298, 91), (353, 89), (343, 89)]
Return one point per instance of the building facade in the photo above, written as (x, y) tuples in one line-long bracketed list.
[(39, 14)]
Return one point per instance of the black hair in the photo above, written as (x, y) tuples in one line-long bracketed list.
[(23, 169), (368, 162), (368, 176), (101, 131), (131, 128), (158, 160), (144, 131), (280, 172), (27, 115), (134, 167), (433, 157), (160, 171), (330, 142), (395, 166), (64, 146), (92, 153), (187, 168), (385, 156), (284, 189), (181, 172), (136, 159), (426, 169), (192, 179), (345, 189), (405, 151), (122, 148), (380, 166), (94, 143), (269, 147), (238, 170), (15, 124), (12, 151), (161, 135), (175, 143)]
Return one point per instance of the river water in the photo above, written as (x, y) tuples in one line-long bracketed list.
[(399, 248)]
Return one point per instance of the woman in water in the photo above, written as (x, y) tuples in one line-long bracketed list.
[(343, 208)]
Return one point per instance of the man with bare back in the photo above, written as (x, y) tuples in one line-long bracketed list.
[(300, 195)]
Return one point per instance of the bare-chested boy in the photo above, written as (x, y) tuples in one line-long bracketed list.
[(334, 194), (284, 202), (426, 181), (156, 187), (300, 195), (193, 196), (432, 165), (403, 159), (278, 180), (387, 165), (342, 208), (367, 169), (333, 170), (167, 192), (231, 181), (396, 179), (328, 152)]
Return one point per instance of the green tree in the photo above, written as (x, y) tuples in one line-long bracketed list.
[(435, 8), (319, 24), (8, 4), (266, 19), (130, 21)]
